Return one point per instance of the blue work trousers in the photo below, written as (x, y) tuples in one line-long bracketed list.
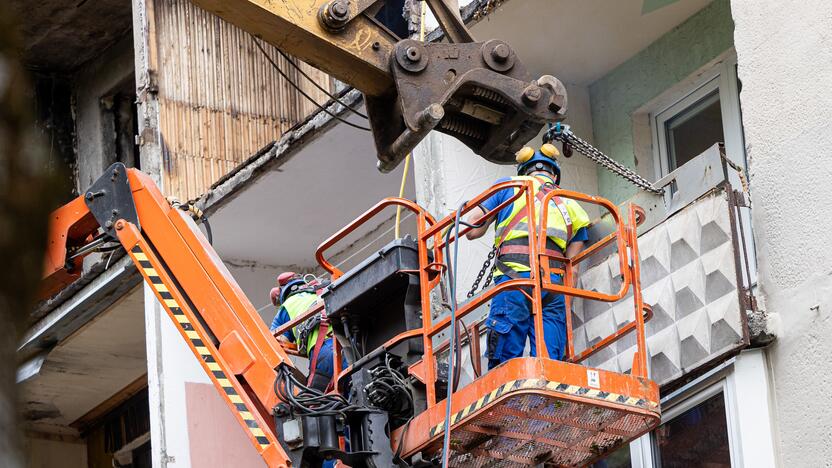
[(325, 368), (510, 324)]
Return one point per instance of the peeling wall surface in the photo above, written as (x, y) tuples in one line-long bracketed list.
[(785, 73), (220, 100), (664, 63)]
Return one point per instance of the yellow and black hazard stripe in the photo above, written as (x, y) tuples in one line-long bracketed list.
[(217, 374), (524, 384)]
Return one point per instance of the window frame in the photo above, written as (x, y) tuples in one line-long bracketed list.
[(644, 452), (722, 78), (662, 154)]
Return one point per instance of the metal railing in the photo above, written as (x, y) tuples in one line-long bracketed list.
[(431, 242)]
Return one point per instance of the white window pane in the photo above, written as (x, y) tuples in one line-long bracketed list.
[(694, 130)]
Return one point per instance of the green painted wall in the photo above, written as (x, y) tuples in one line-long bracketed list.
[(669, 60)]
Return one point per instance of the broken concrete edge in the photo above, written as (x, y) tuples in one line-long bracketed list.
[(45, 306), (471, 14), (278, 153), (97, 295), (290, 143), (763, 327)]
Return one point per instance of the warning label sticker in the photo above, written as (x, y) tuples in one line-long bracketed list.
[(593, 379)]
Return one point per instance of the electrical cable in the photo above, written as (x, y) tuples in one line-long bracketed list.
[(452, 351), (397, 457), (330, 95), (397, 376), (401, 194), (303, 400), (446, 440), (471, 350), (208, 233), (302, 92)]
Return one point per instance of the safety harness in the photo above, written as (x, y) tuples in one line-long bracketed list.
[(517, 250), (323, 381), (306, 328)]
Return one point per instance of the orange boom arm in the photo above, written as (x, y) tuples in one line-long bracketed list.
[(220, 325)]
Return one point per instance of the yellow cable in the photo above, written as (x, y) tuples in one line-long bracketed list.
[(401, 194), (407, 158)]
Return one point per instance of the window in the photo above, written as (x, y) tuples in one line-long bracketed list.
[(694, 433), (618, 459), (697, 437), (700, 425), (688, 122), (706, 113), (693, 130)]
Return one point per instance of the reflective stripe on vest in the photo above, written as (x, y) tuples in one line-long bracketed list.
[(564, 218), (297, 304)]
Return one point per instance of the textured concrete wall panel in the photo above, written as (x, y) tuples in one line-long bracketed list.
[(689, 278)]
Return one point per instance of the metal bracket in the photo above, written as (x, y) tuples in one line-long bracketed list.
[(750, 301), (479, 93), (110, 198), (740, 200)]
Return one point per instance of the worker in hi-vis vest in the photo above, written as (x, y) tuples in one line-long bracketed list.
[(294, 296), (510, 323)]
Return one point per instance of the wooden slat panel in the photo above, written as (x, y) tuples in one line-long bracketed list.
[(220, 99)]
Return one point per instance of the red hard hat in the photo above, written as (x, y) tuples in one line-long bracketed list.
[(285, 277), (274, 294)]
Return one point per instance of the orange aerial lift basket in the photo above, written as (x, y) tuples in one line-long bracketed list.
[(527, 411)]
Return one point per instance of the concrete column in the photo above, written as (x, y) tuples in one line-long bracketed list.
[(155, 374), (190, 423), (785, 66), (145, 53)]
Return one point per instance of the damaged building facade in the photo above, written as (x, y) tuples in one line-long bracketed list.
[(706, 98)]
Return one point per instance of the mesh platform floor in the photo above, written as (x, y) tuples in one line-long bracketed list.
[(534, 430)]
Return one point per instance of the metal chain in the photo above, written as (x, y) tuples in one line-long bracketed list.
[(564, 134), (485, 266)]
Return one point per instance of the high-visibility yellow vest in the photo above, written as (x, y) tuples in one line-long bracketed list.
[(295, 305), (564, 219)]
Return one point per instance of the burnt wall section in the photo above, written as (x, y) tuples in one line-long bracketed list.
[(104, 88), (220, 100), (81, 57), (61, 36), (54, 104)]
